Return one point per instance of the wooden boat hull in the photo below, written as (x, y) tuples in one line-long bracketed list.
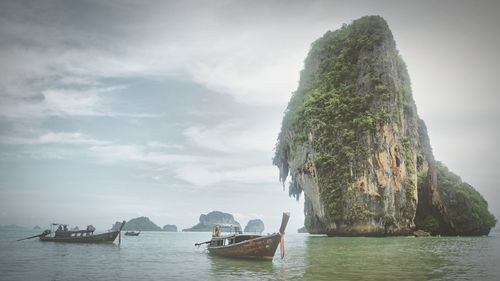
[(262, 247), (108, 237), (132, 234)]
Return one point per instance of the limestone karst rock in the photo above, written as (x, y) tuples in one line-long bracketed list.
[(170, 228), (352, 142), (255, 226), (208, 221), (140, 223)]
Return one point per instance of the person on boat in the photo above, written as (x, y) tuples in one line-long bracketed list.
[(216, 231), (90, 229), (59, 228), (65, 228)]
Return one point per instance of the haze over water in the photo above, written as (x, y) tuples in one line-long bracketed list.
[(173, 256)]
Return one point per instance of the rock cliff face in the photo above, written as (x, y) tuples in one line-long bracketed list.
[(208, 221), (352, 141), (255, 226)]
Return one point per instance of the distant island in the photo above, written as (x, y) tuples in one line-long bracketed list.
[(255, 226), (140, 223), (302, 230), (36, 227), (170, 228), (208, 221)]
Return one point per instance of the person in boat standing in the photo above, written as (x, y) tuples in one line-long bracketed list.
[(90, 229), (216, 233)]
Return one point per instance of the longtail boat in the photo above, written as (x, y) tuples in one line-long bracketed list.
[(248, 246), (132, 233), (61, 234)]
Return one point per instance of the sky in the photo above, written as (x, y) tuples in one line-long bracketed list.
[(111, 110)]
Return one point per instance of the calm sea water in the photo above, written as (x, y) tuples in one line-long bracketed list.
[(172, 256)]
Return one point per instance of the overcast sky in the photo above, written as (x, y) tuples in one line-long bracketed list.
[(111, 110)]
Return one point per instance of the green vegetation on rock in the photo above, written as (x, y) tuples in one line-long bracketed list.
[(468, 210), (463, 211)]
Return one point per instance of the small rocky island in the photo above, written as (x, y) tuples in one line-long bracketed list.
[(255, 226), (352, 141), (140, 223), (170, 228), (37, 227), (208, 221)]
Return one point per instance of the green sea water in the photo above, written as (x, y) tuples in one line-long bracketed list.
[(173, 256)]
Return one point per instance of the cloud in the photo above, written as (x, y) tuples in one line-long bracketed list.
[(205, 176), (118, 153), (162, 145), (234, 136), (152, 152), (59, 102), (64, 102), (54, 60), (249, 73), (75, 138), (94, 101), (38, 154), (243, 218), (196, 170)]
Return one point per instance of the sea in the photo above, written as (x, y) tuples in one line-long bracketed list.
[(173, 256)]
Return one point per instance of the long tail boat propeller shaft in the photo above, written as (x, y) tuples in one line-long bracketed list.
[(44, 233), (284, 222)]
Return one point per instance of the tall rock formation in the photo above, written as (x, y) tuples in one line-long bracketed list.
[(208, 221), (255, 226), (352, 141)]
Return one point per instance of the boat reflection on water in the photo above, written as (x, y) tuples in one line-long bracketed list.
[(238, 269)]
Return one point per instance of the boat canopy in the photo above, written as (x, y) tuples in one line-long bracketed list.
[(230, 228)]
